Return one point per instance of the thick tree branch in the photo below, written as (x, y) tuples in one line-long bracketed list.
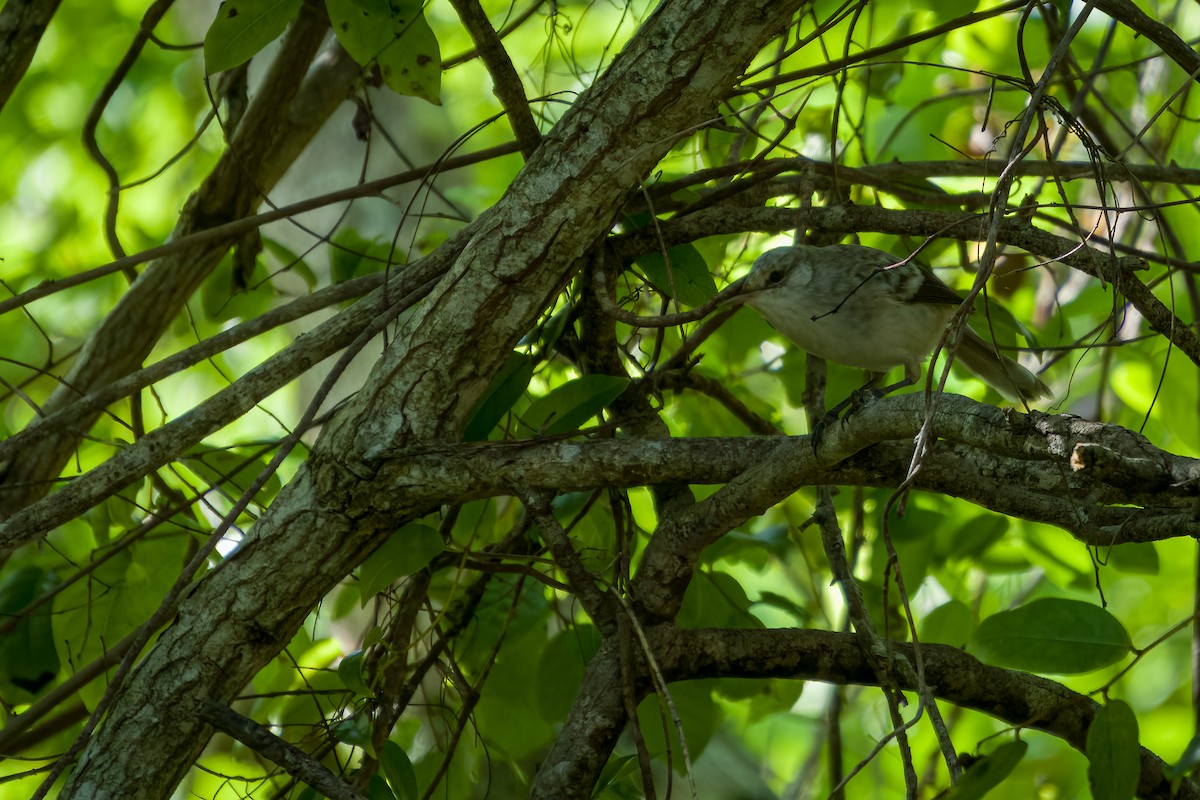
[(1020, 699), (1101, 482), (21, 29)]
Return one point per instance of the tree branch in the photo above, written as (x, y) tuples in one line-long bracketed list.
[(21, 29), (1020, 699), (288, 757)]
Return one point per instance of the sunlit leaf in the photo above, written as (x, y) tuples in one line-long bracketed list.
[(950, 623), (568, 406), (688, 277), (1052, 635), (395, 38), (242, 28)]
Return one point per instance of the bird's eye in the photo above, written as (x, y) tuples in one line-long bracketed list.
[(775, 277)]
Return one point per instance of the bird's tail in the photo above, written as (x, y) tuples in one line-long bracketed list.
[(999, 371)]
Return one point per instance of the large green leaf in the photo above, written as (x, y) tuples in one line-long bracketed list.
[(403, 553), (501, 394), (698, 712), (687, 278), (950, 623), (242, 28), (560, 669), (1052, 635), (399, 771), (575, 402), (92, 615), (1114, 757)]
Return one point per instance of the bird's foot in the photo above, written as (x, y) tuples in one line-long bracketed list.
[(859, 399)]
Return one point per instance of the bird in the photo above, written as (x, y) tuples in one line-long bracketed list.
[(866, 308)]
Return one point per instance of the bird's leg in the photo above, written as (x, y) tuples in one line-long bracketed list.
[(857, 400)]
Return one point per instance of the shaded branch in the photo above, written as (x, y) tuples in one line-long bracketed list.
[(1079, 475), (506, 83), (21, 27), (1020, 699), (288, 757)]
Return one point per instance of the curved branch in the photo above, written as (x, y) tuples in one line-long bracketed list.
[(1020, 699)]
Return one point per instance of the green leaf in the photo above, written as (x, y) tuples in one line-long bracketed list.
[(234, 469), (396, 38), (1114, 758), (950, 623), (616, 770), (715, 600), (291, 261), (355, 731), (350, 673), (973, 537), (688, 275), (89, 616), (1052, 635), (404, 552), (988, 772), (377, 789), (560, 669), (1135, 557), (353, 255), (501, 394), (575, 402), (28, 657), (242, 28), (698, 712), (399, 771)]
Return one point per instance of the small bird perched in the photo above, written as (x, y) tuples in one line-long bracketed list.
[(864, 308)]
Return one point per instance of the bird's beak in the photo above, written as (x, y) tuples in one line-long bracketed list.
[(732, 294)]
